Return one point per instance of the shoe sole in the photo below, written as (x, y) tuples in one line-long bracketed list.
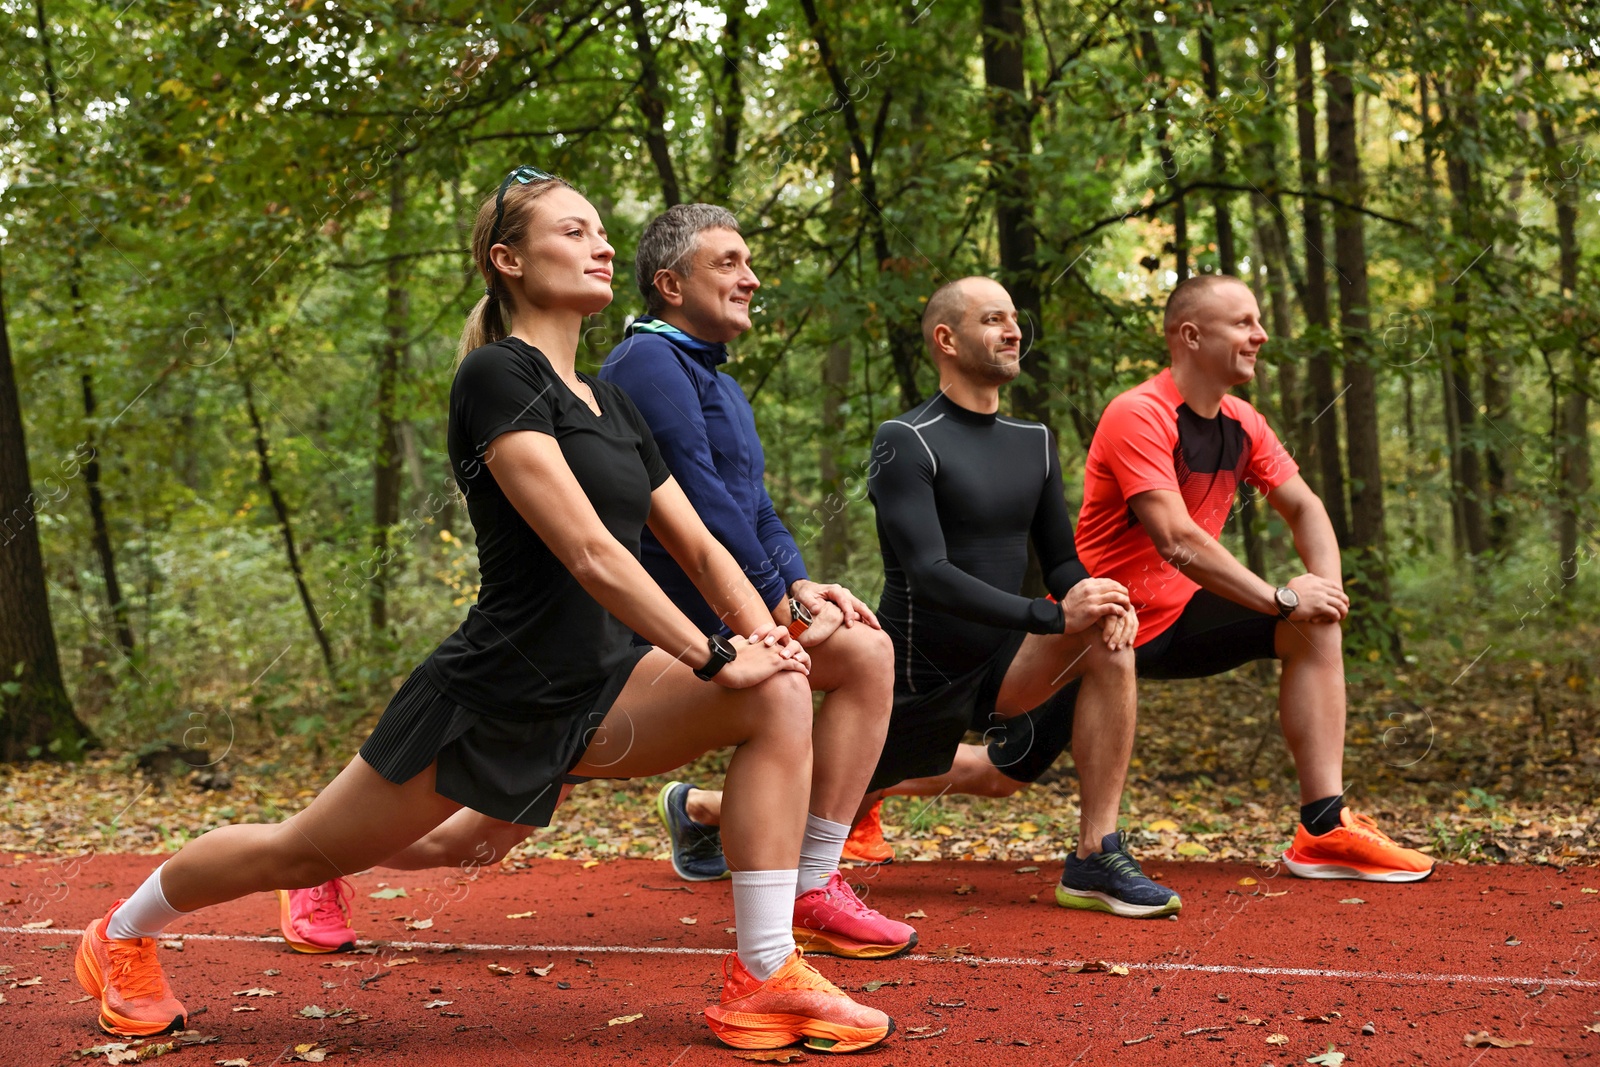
[(850, 858), (747, 1031), (1344, 871), (87, 969), (666, 821), (822, 943), (285, 926), (1090, 900)]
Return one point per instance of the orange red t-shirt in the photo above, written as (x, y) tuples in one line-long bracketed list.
[(1148, 439)]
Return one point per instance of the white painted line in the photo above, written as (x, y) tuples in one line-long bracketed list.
[(990, 961)]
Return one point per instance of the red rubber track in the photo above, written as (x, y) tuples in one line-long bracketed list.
[(1510, 950)]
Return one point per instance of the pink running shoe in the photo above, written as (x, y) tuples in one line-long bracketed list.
[(832, 921), (317, 919)]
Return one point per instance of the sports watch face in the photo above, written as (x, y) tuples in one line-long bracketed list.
[(1288, 600)]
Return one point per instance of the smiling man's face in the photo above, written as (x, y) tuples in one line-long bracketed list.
[(718, 286)]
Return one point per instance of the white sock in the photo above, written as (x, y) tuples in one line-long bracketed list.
[(763, 912), (819, 853), (145, 914)]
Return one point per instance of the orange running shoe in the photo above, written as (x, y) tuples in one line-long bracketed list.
[(795, 1003), (865, 843), (1355, 849), (125, 977)]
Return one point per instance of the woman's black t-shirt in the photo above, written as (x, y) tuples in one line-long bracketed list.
[(536, 645)]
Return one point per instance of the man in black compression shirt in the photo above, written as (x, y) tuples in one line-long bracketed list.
[(959, 491)]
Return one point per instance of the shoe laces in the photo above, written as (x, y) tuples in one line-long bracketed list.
[(805, 976), (842, 894), (1119, 862), (330, 908), (135, 972), (1364, 826)]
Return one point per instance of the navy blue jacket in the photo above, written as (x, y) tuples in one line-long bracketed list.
[(706, 432)]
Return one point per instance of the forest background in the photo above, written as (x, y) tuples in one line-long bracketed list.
[(233, 273)]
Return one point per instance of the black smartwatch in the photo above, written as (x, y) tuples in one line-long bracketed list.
[(1288, 600), (722, 654)]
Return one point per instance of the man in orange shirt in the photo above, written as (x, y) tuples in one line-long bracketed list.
[(1162, 475)]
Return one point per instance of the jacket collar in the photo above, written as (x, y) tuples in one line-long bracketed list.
[(707, 353)]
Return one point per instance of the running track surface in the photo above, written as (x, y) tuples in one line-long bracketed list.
[(1509, 950)]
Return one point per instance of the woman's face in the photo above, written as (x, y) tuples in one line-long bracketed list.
[(564, 259)]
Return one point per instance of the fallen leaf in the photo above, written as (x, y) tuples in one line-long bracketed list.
[(1161, 826), (400, 962), (42, 924), (590, 863), (388, 894), (1277, 1039), (950, 952), (521, 915), (688, 920), (963, 890), (26, 982), (542, 971), (1193, 848), (772, 1055), (1512, 941), (259, 991), (438, 1003), (1484, 1039), (272, 972), (1282, 894), (313, 1011), (1326, 1018), (1138, 1040), (1247, 881), (1247, 1021), (878, 983), (1097, 967), (232, 1063), (499, 971), (1593, 1028), (1026, 870), (622, 1019), (1352, 900), (172, 946), (245, 1007), (1587, 889), (309, 1053), (918, 914), (1329, 1058), (341, 963), (420, 924)]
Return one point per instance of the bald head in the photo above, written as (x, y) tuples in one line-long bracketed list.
[(1189, 300), (951, 303)]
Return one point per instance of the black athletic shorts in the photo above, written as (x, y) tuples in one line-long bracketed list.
[(1211, 636)]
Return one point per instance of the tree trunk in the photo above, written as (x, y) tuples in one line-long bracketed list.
[(285, 526), (834, 550), (904, 326), (1369, 567), (1452, 428), (100, 529), (1011, 155), (1169, 166), (730, 117), (653, 105), (1324, 422), (1572, 429), (1456, 353), (37, 718), (388, 457)]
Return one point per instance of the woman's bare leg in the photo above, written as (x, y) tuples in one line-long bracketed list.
[(665, 717), (467, 837), (359, 819)]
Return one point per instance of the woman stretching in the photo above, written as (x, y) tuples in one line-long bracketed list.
[(542, 683)]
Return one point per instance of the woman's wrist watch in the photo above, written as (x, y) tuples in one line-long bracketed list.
[(722, 654), (1287, 600), (799, 618)]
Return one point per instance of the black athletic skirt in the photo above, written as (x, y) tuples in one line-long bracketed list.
[(509, 769)]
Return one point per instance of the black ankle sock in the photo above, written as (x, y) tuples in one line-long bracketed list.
[(1320, 816)]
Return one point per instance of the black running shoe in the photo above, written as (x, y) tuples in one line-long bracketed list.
[(1111, 880), (696, 849)]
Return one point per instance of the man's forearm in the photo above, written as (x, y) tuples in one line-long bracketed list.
[(1203, 560), (1316, 544)]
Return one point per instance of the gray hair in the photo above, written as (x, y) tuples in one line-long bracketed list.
[(669, 242)]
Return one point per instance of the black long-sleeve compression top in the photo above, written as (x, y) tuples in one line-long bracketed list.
[(958, 494)]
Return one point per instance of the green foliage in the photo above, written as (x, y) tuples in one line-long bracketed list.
[(207, 202)]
